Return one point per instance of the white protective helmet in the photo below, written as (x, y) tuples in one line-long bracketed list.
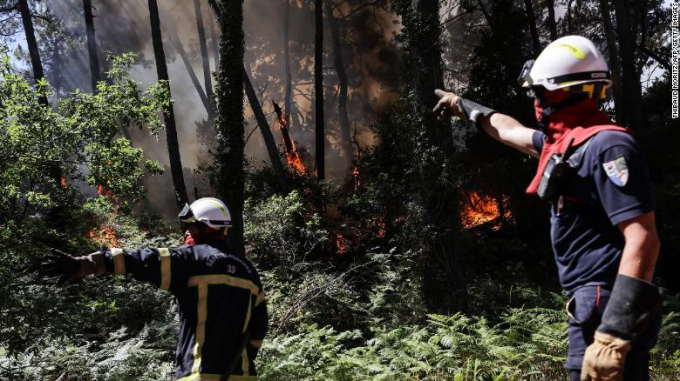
[(567, 61), (208, 210)]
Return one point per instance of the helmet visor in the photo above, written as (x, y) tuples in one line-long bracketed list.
[(186, 215), (524, 78)]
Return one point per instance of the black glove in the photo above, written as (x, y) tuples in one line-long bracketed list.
[(632, 305), (60, 264)]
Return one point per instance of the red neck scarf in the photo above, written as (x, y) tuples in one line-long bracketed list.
[(579, 121)]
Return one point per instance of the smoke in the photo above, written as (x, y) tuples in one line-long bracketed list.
[(369, 53)]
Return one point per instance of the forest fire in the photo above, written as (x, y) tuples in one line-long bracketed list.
[(356, 178), (106, 235), (478, 210), (342, 244), (292, 153), (103, 191)]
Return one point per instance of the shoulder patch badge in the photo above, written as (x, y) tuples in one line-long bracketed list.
[(617, 170)]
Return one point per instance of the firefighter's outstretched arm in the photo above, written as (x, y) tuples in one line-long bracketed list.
[(633, 305), (154, 265), (501, 127)]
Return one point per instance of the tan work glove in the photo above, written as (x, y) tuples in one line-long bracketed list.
[(604, 358), (448, 106)]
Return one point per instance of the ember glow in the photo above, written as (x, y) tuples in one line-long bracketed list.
[(342, 244), (292, 153), (356, 178), (478, 210)]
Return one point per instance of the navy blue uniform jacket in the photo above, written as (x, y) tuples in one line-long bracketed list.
[(220, 297)]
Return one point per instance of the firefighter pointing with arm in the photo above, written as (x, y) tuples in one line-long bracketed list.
[(602, 212), (222, 309)]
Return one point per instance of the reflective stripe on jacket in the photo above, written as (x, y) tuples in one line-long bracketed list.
[(220, 297)]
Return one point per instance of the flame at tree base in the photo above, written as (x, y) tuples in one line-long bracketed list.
[(478, 210)]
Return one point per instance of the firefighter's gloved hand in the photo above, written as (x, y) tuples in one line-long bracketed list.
[(604, 358), (448, 106), (633, 305), (65, 267)]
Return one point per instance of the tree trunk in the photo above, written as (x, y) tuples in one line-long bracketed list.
[(207, 78), (169, 113), (531, 19), (343, 115), (443, 284), (36, 64), (229, 160), (215, 42), (630, 77), (267, 135), (91, 44), (318, 90), (177, 45), (551, 19), (614, 63), (287, 102)]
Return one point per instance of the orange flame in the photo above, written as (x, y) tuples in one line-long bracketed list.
[(478, 210), (342, 243), (292, 153), (106, 234), (103, 191), (294, 162), (357, 179)]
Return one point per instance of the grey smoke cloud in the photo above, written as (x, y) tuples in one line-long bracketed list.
[(370, 55)]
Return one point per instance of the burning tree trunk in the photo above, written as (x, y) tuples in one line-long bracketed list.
[(318, 90), (342, 79), (292, 154), (614, 62), (267, 135), (630, 76), (443, 283), (36, 63), (91, 44), (531, 19), (207, 80), (229, 161), (169, 113)]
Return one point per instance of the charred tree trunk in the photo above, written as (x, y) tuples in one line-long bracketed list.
[(552, 25), (286, 58), (91, 44), (169, 113), (27, 20), (343, 115), (531, 19), (318, 90), (614, 63), (267, 135), (443, 285), (207, 79), (229, 160), (630, 77)]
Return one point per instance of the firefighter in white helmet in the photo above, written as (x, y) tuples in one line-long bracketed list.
[(223, 313), (603, 231)]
